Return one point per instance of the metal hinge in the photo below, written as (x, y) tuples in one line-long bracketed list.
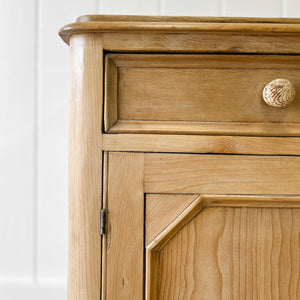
[(103, 221)]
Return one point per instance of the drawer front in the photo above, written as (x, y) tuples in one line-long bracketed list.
[(199, 94)]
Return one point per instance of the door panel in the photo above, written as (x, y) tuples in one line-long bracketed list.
[(166, 242), (229, 253)]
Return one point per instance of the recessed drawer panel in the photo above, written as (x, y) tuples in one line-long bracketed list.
[(199, 94)]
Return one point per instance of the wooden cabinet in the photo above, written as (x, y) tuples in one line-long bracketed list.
[(184, 158)]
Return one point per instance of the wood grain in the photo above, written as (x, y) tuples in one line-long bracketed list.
[(203, 61), (208, 128), (191, 34), (193, 91), (178, 42), (183, 279), (110, 96), (154, 248), (271, 201), (184, 25), (126, 18), (221, 174), (85, 168), (162, 209), (216, 245), (104, 237), (181, 93), (201, 144), (125, 241), (233, 253)]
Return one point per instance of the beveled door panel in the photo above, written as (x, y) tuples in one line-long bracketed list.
[(162, 209), (227, 250)]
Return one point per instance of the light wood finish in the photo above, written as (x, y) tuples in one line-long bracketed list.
[(202, 42), (226, 251), (177, 224), (191, 34), (291, 201), (186, 88), (104, 237), (205, 61), (111, 76), (179, 24), (85, 168), (221, 174), (125, 241), (243, 255), (189, 19), (194, 93), (279, 93), (183, 226), (229, 27), (153, 250), (207, 128), (162, 210)]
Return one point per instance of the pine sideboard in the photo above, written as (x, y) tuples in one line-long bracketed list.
[(184, 167)]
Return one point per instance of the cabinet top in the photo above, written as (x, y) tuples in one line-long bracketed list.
[(115, 23)]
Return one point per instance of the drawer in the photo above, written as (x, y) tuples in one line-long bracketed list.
[(198, 94)]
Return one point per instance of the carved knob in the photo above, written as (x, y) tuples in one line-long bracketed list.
[(279, 93)]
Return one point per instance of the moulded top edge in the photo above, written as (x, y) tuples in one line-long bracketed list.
[(189, 19), (115, 23)]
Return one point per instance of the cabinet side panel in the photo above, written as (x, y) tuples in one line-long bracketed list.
[(52, 63), (125, 237), (85, 168)]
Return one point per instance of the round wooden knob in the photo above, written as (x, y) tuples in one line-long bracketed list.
[(279, 93)]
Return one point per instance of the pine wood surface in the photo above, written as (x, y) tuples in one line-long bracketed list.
[(152, 283), (125, 240), (203, 61), (206, 128), (228, 203), (181, 24), (207, 42), (201, 144), (190, 34), (128, 18), (111, 91), (186, 88), (85, 168), (127, 168), (233, 253), (221, 174), (161, 210), (104, 237)]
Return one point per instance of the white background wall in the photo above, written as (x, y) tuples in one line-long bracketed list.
[(34, 81)]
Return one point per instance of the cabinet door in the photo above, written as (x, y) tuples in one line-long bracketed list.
[(201, 227)]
